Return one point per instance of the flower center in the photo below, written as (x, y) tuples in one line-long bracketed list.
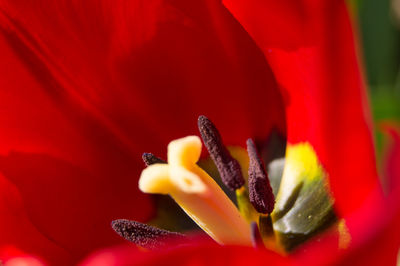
[(196, 192), (303, 205)]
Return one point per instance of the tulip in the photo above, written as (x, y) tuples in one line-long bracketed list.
[(87, 87)]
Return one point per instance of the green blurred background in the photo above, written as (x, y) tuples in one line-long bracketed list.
[(379, 26)]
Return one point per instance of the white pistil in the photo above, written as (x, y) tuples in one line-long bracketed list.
[(196, 192)]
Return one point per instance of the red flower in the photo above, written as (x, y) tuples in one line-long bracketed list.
[(86, 87)]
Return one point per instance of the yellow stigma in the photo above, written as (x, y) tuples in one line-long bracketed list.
[(196, 192)]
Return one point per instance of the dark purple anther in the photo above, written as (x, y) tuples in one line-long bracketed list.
[(260, 190), (145, 235), (228, 168), (149, 159)]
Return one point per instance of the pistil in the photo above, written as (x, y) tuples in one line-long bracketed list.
[(196, 192)]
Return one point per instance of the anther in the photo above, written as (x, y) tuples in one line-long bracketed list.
[(256, 238), (145, 235), (228, 168), (260, 191), (149, 159)]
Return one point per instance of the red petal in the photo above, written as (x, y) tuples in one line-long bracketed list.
[(88, 86), (160, 61), (310, 46), (25, 261), (18, 231), (200, 254), (11, 256)]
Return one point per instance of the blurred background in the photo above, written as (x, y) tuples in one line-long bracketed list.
[(379, 29)]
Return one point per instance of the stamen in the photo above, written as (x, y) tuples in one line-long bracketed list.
[(228, 167), (145, 235), (266, 227), (256, 238), (245, 207), (267, 232), (260, 190), (149, 159)]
